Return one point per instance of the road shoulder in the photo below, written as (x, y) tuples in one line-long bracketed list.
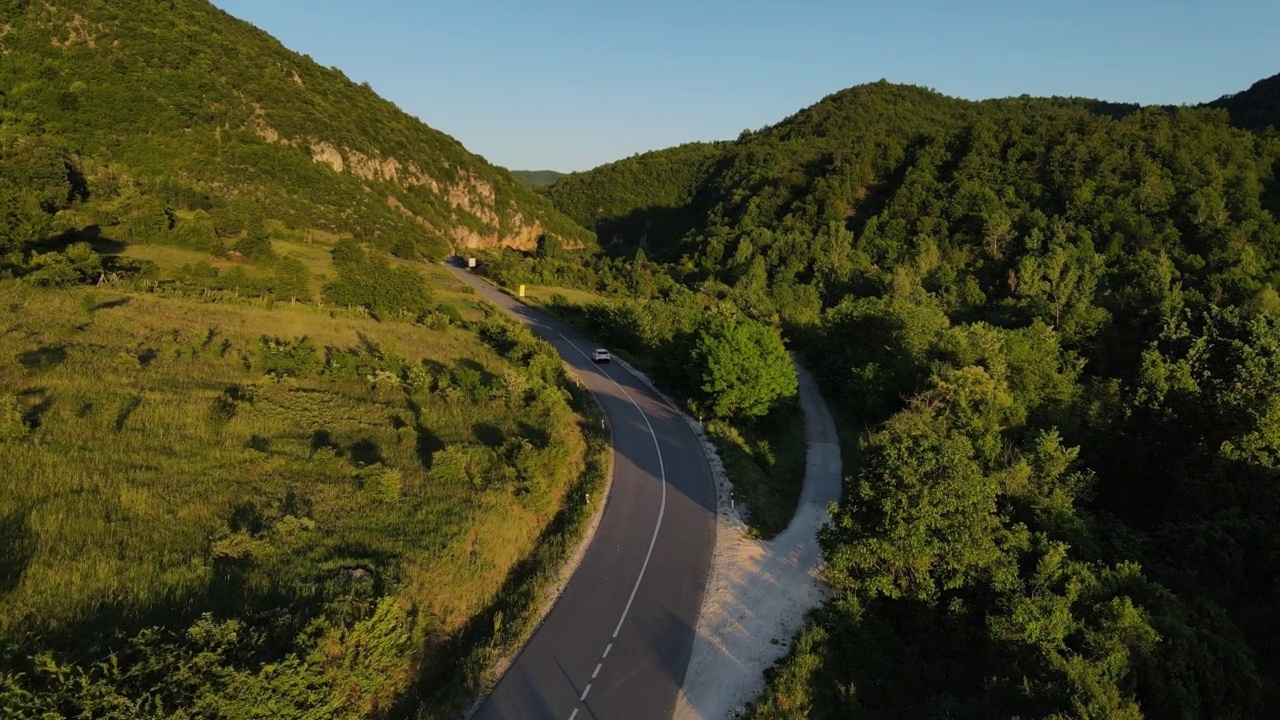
[(760, 593)]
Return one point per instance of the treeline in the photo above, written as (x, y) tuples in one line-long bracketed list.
[(366, 280), (1059, 320)]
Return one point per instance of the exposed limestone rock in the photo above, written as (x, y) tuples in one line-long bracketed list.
[(469, 194), (323, 152), (259, 124), (77, 29), (463, 195)]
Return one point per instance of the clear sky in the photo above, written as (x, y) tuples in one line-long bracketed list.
[(571, 84)]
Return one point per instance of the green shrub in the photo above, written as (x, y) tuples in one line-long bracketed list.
[(283, 358)]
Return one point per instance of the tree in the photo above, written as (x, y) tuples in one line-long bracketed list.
[(1059, 287), (347, 251), (745, 369), (256, 244), (549, 247), (292, 280), (198, 232), (21, 218), (920, 515)]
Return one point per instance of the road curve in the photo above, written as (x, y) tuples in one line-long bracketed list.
[(617, 642)]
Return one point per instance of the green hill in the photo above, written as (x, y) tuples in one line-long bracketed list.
[(1051, 330), (169, 108), (1255, 108), (653, 194), (253, 465), (538, 178)]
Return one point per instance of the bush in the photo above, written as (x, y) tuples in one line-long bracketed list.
[(282, 358), (745, 369)]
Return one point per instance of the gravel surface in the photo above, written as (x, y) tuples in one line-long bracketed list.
[(759, 592)]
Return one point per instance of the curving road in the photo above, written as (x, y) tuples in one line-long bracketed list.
[(617, 642)]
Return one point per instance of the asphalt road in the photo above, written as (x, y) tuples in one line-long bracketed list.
[(617, 642)]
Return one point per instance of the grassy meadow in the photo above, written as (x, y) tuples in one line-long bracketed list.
[(225, 509)]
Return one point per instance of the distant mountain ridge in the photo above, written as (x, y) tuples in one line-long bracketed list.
[(1255, 108), (538, 178), (837, 151), (183, 94)]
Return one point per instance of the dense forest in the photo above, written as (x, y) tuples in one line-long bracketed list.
[(1255, 108), (188, 124), (537, 178), (1051, 330)]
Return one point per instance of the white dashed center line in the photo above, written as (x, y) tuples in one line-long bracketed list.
[(662, 509)]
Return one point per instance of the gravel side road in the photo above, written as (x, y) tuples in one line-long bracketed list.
[(759, 592)]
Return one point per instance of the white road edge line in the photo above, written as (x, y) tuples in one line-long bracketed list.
[(662, 509), (662, 470)]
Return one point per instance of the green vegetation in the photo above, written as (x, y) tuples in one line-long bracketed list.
[(185, 126), (1058, 321), (263, 468), (260, 467), (217, 508), (726, 368), (648, 195), (744, 368), (1255, 108), (537, 178)]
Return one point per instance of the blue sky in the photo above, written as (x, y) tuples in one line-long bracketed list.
[(571, 84)]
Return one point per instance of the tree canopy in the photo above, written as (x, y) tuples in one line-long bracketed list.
[(1056, 319), (745, 370)]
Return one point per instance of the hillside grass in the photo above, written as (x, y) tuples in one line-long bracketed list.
[(359, 511), (550, 295), (316, 255)]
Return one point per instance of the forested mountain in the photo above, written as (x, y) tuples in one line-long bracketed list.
[(651, 195), (173, 115), (1257, 107), (1054, 324), (538, 178)]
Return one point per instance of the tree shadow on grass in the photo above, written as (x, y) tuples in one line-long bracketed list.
[(322, 439), (428, 442), (488, 434), (17, 547), (108, 304), (365, 452), (537, 436), (45, 358), (468, 364), (122, 417), (33, 415), (368, 344)]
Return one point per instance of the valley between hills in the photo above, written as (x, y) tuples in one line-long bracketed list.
[(264, 455)]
